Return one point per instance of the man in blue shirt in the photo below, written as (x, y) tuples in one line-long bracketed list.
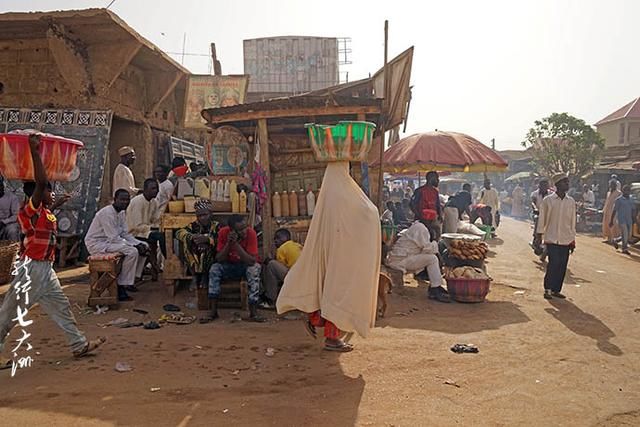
[(624, 209)]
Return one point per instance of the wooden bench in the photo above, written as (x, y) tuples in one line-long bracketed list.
[(103, 278), (234, 295)]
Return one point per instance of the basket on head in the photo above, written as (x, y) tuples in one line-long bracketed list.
[(8, 252), (345, 141)]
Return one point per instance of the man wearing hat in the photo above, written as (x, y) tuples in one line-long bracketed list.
[(122, 176), (557, 222)]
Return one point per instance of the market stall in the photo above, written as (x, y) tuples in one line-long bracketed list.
[(463, 254)]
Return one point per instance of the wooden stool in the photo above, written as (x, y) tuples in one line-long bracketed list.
[(103, 279), (234, 295), (68, 246)]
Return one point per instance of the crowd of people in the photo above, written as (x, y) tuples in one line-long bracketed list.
[(214, 252)]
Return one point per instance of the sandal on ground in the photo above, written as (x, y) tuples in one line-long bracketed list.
[(208, 318), (341, 347), (310, 329), (90, 347)]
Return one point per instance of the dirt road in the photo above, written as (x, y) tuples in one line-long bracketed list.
[(572, 362)]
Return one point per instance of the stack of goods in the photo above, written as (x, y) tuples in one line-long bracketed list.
[(293, 204), (467, 280), (468, 249)]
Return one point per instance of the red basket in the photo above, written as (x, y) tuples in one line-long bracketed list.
[(58, 156), (468, 290)]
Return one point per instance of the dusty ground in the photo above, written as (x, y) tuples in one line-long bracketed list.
[(572, 362)]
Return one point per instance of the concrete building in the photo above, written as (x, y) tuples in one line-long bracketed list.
[(621, 131)]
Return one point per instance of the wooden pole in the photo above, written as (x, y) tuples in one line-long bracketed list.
[(267, 220), (385, 112)]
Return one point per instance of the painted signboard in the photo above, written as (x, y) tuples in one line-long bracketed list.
[(228, 152), (204, 91)]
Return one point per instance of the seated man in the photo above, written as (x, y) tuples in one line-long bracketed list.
[(413, 252), (237, 258), (9, 207), (287, 253), (198, 242), (108, 233), (143, 217)]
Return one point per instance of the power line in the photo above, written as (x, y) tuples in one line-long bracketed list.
[(112, 2)]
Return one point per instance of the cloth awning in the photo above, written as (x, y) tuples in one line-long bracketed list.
[(441, 151)]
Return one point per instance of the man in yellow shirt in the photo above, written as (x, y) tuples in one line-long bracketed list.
[(287, 253)]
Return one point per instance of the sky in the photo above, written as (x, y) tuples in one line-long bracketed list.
[(486, 68)]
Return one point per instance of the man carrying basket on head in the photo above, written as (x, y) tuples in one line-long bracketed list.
[(35, 267)]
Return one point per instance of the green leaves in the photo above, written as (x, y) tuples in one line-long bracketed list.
[(563, 143)]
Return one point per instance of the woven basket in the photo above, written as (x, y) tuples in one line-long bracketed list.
[(345, 141), (8, 252), (468, 290)]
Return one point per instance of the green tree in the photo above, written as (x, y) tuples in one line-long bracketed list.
[(563, 143)]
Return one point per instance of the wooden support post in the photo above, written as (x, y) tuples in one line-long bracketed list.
[(385, 114), (267, 220), (364, 165)]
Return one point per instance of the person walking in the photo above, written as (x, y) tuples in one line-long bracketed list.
[(610, 232), (623, 211), (35, 268), (557, 222)]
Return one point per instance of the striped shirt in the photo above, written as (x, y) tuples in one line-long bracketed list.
[(39, 226)]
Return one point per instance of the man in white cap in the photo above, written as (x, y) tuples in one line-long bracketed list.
[(122, 176), (557, 222)]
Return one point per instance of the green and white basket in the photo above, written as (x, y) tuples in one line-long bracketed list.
[(345, 141)]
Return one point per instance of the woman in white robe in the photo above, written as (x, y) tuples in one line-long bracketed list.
[(336, 277)]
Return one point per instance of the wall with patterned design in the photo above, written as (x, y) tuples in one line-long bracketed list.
[(89, 126)]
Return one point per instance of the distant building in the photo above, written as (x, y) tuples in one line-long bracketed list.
[(621, 132), (622, 127)]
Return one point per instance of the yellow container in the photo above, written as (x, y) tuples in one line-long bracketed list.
[(176, 206), (190, 204)]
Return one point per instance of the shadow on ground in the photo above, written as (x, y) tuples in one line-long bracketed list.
[(410, 309), (585, 324)]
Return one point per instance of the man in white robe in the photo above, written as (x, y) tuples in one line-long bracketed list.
[(143, 221), (413, 252), (108, 234), (122, 175), (165, 190), (489, 197)]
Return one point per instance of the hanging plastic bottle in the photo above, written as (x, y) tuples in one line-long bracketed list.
[(284, 203), (243, 202), (214, 190), (276, 205), (293, 203), (302, 203), (311, 202), (221, 191), (227, 193), (235, 198)]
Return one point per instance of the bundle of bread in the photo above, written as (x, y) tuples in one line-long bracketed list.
[(465, 272), (468, 249)]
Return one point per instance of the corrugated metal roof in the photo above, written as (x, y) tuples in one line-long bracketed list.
[(628, 111)]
